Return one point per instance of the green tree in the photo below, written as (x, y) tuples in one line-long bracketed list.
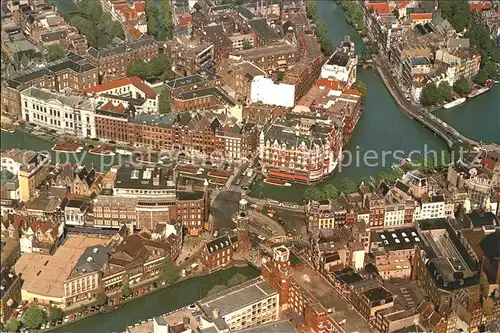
[(363, 89), (312, 193), (457, 12), (166, 22), (169, 272), (354, 14), (33, 318), (322, 35), (280, 76), (311, 10), (246, 44), (430, 95), (126, 290), (152, 17), (13, 325), (445, 91), (102, 299), (56, 313), (56, 52), (139, 68), (216, 289), (159, 65), (331, 191), (461, 86), (481, 77), (348, 186), (163, 103), (236, 279)]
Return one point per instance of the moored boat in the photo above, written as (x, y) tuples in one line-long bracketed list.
[(124, 152), (102, 150), (67, 147), (277, 182), (478, 92), (455, 103)]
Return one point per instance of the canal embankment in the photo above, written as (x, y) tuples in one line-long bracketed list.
[(156, 303)]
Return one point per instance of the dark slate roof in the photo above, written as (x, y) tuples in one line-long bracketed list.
[(491, 246), (216, 92), (220, 243), (92, 259), (401, 186), (54, 36), (263, 29), (118, 46)]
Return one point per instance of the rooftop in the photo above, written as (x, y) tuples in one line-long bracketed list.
[(44, 275), (377, 294), (155, 178), (7, 246), (72, 101), (123, 82), (398, 239), (91, 260), (314, 284), (276, 49), (238, 297), (274, 327)]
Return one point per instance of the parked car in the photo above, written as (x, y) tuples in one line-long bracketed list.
[(216, 233)]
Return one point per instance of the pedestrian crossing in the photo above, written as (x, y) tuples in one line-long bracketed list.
[(235, 188)]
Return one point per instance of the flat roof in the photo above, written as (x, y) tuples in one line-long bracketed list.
[(377, 294), (397, 239), (8, 245), (238, 297), (313, 283), (44, 275), (283, 326)]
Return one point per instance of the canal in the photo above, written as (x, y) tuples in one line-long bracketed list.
[(156, 303), (382, 127)]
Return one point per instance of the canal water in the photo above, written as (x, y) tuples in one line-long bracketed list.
[(382, 127), (156, 303)]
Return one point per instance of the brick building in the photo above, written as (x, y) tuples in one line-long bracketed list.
[(218, 253), (202, 79), (273, 58), (112, 61)]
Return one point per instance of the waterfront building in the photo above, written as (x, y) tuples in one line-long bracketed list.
[(72, 72), (218, 253), (465, 59), (250, 304), (303, 75), (297, 149), (342, 64), (211, 98), (131, 87), (63, 113), (30, 168), (138, 257), (84, 280), (112, 60), (11, 282)]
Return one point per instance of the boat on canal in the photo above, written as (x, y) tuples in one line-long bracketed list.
[(67, 148), (478, 92), (124, 152), (102, 150), (456, 102), (277, 182)]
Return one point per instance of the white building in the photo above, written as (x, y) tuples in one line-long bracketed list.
[(132, 87), (59, 111), (433, 208), (76, 212), (394, 215), (341, 66), (265, 91)]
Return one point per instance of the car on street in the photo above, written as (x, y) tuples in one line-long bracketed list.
[(216, 233)]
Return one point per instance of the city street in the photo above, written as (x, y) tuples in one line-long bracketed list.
[(225, 205)]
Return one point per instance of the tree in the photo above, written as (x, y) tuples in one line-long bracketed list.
[(323, 39), (126, 290), (236, 279), (56, 52), (445, 92), (159, 65), (311, 10), (169, 272), (246, 44), (363, 89), (312, 193), (461, 86), (481, 77), (331, 191), (138, 68), (348, 186), (216, 289), (280, 76), (33, 318), (457, 12), (152, 17), (102, 299), (56, 313), (163, 103), (430, 95), (13, 325)]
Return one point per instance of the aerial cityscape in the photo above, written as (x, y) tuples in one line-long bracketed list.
[(281, 166)]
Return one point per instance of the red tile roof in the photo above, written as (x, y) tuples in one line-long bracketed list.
[(109, 106), (486, 5), (134, 80), (351, 92), (331, 84), (421, 16), (403, 4), (380, 7), (185, 20), (140, 6)]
